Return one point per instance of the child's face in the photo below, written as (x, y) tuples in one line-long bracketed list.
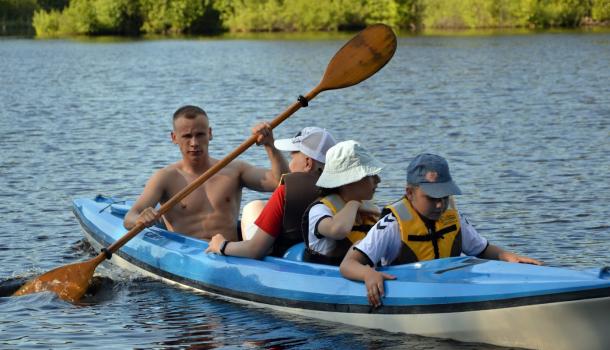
[(364, 189), (298, 162), (426, 206)]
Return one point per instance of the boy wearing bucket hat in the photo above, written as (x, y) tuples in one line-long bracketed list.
[(279, 222), (423, 225), (342, 215)]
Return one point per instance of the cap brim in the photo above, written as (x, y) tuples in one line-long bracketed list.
[(286, 145), (440, 190)]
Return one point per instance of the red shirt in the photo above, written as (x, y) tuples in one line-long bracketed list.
[(271, 218)]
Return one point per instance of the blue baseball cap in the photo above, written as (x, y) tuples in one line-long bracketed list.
[(431, 173)]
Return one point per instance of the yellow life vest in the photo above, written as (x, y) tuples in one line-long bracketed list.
[(421, 243), (363, 222), (360, 228)]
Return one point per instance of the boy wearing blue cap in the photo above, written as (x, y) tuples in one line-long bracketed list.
[(423, 225)]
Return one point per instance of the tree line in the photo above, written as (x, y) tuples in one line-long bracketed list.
[(137, 17)]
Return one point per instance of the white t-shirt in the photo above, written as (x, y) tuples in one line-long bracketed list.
[(318, 242), (383, 242)]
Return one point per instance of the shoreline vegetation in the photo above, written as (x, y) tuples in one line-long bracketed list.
[(145, 18)]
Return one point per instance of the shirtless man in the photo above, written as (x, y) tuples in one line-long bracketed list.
[(214, 206)]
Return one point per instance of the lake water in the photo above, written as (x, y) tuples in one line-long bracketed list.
[(524, 121)]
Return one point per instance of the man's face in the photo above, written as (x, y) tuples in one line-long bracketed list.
[(192, 136), (426, 206)]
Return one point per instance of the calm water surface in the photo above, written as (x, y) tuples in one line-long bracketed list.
[(523, 119)]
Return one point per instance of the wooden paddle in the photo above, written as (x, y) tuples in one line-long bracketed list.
[(361, 57)]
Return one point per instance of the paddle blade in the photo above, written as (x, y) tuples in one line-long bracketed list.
[(69, 282), (361, 57)]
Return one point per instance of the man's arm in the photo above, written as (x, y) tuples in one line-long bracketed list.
[(494, 252), (143, 209), (260, 179), (255, 248)]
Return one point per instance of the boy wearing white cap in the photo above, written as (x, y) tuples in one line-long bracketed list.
[(423, 225), (279, 222), (342, 215)]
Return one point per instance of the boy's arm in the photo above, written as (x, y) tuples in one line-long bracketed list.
[(355, 267), (475, 243), (255, 248), (340, 225), (494, 252)]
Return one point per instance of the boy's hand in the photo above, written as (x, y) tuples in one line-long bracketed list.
[(373, 280)]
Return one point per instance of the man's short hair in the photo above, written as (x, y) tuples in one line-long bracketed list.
[(188, 112)]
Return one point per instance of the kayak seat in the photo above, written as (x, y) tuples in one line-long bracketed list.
[(295, 253)]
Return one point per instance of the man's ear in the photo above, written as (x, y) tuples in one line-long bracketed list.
[(210, 133), (173, 137)]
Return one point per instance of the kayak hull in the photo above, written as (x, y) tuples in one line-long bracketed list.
[(463, 298)]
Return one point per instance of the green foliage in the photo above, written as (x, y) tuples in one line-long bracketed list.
[(469, 13), (171, 16), (559, 13), (303, 15), (46, 23), (79, 18), (307, 15), (276, 15), (410, 14), (505, 13), (132, 17), (118, 16), (600, 10), (381, 11), (511, 13)]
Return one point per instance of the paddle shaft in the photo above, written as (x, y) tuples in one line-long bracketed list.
[(210, 172)]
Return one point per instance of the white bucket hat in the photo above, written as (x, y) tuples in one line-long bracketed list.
[(347, 162), (311, 141)]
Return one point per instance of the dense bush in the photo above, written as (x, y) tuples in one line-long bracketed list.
[(559, 13), (601, 10), (133, 17), (306, 15)]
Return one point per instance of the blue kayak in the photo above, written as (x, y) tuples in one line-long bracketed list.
[(461, 298)]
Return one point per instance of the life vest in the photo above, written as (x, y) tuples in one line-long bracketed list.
[(301, 190), (362, 225), (422, 243)]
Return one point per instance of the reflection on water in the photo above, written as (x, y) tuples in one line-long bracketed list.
[(523, 119)]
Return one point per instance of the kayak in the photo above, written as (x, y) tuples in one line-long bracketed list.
[(461, 298)]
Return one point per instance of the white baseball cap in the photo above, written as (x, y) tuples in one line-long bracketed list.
[(348, 162), (311, 141)]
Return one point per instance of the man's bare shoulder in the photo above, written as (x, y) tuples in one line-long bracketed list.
[(239, 165), (235, 167), (167, 173)]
